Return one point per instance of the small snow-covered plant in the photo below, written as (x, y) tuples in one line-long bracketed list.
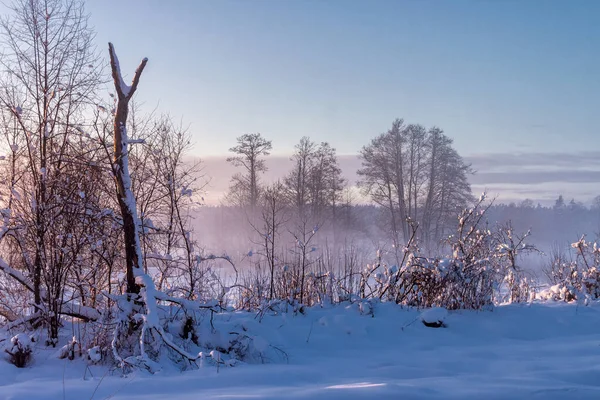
[(20, 350), (562, 269), (253, 288), (94, 355), (188, 331), (253, 349), (508, 247), (384, 282), (365, 307), (70, 350), (559, 292)]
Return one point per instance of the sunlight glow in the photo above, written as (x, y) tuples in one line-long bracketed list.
[(358, 385)]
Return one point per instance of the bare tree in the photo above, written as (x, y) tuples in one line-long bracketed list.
[(140, 318), (49, 76), (298, 180), (416, 176), (326, 181), (274, 215), (382, 177), (166, 218), (127, 203), (245, 186), (304, 234)]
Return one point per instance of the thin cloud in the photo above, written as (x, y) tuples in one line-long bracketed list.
[(536, 177), (514, 161)]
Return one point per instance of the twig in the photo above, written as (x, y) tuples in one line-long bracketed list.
[(63, 381), (409, 324), (310, 331)]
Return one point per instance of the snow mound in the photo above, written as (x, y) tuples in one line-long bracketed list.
[(20, 350), (434, 317)]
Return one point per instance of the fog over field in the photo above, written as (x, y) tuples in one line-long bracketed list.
[(524, 188)]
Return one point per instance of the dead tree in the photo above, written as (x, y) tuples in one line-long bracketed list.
[(142, 323), (133, 250)]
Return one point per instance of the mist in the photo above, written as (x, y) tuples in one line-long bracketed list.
[(522, 188)]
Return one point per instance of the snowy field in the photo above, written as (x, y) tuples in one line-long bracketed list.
[(539, 351)]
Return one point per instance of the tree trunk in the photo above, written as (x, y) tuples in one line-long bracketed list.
[(133, 251)]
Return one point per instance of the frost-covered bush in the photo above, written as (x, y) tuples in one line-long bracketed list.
[(482, 269), (559, 292), (464, 280), (450, 283), (577, 277), (514, 284), (422, 282)]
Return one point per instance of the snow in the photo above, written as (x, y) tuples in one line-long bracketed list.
[(123, 86), (433, 315), (544, 350), (136, 141), (21, 342), (94, 354), (7, 269)]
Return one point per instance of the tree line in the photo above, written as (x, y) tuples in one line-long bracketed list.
[(411, 172)]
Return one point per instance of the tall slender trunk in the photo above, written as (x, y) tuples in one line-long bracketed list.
[(427, 211), (127, 204)]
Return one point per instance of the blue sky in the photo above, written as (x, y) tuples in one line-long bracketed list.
[(515, 83), (497, 76)]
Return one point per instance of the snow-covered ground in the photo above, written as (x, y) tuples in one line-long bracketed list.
[(545, 351)]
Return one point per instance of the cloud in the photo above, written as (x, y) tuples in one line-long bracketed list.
[(533, 160), (536, 177)]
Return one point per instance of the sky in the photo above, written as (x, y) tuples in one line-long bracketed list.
[(510, 81), (497, 76)]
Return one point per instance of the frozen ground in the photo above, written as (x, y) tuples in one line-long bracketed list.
[(545, 351)]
